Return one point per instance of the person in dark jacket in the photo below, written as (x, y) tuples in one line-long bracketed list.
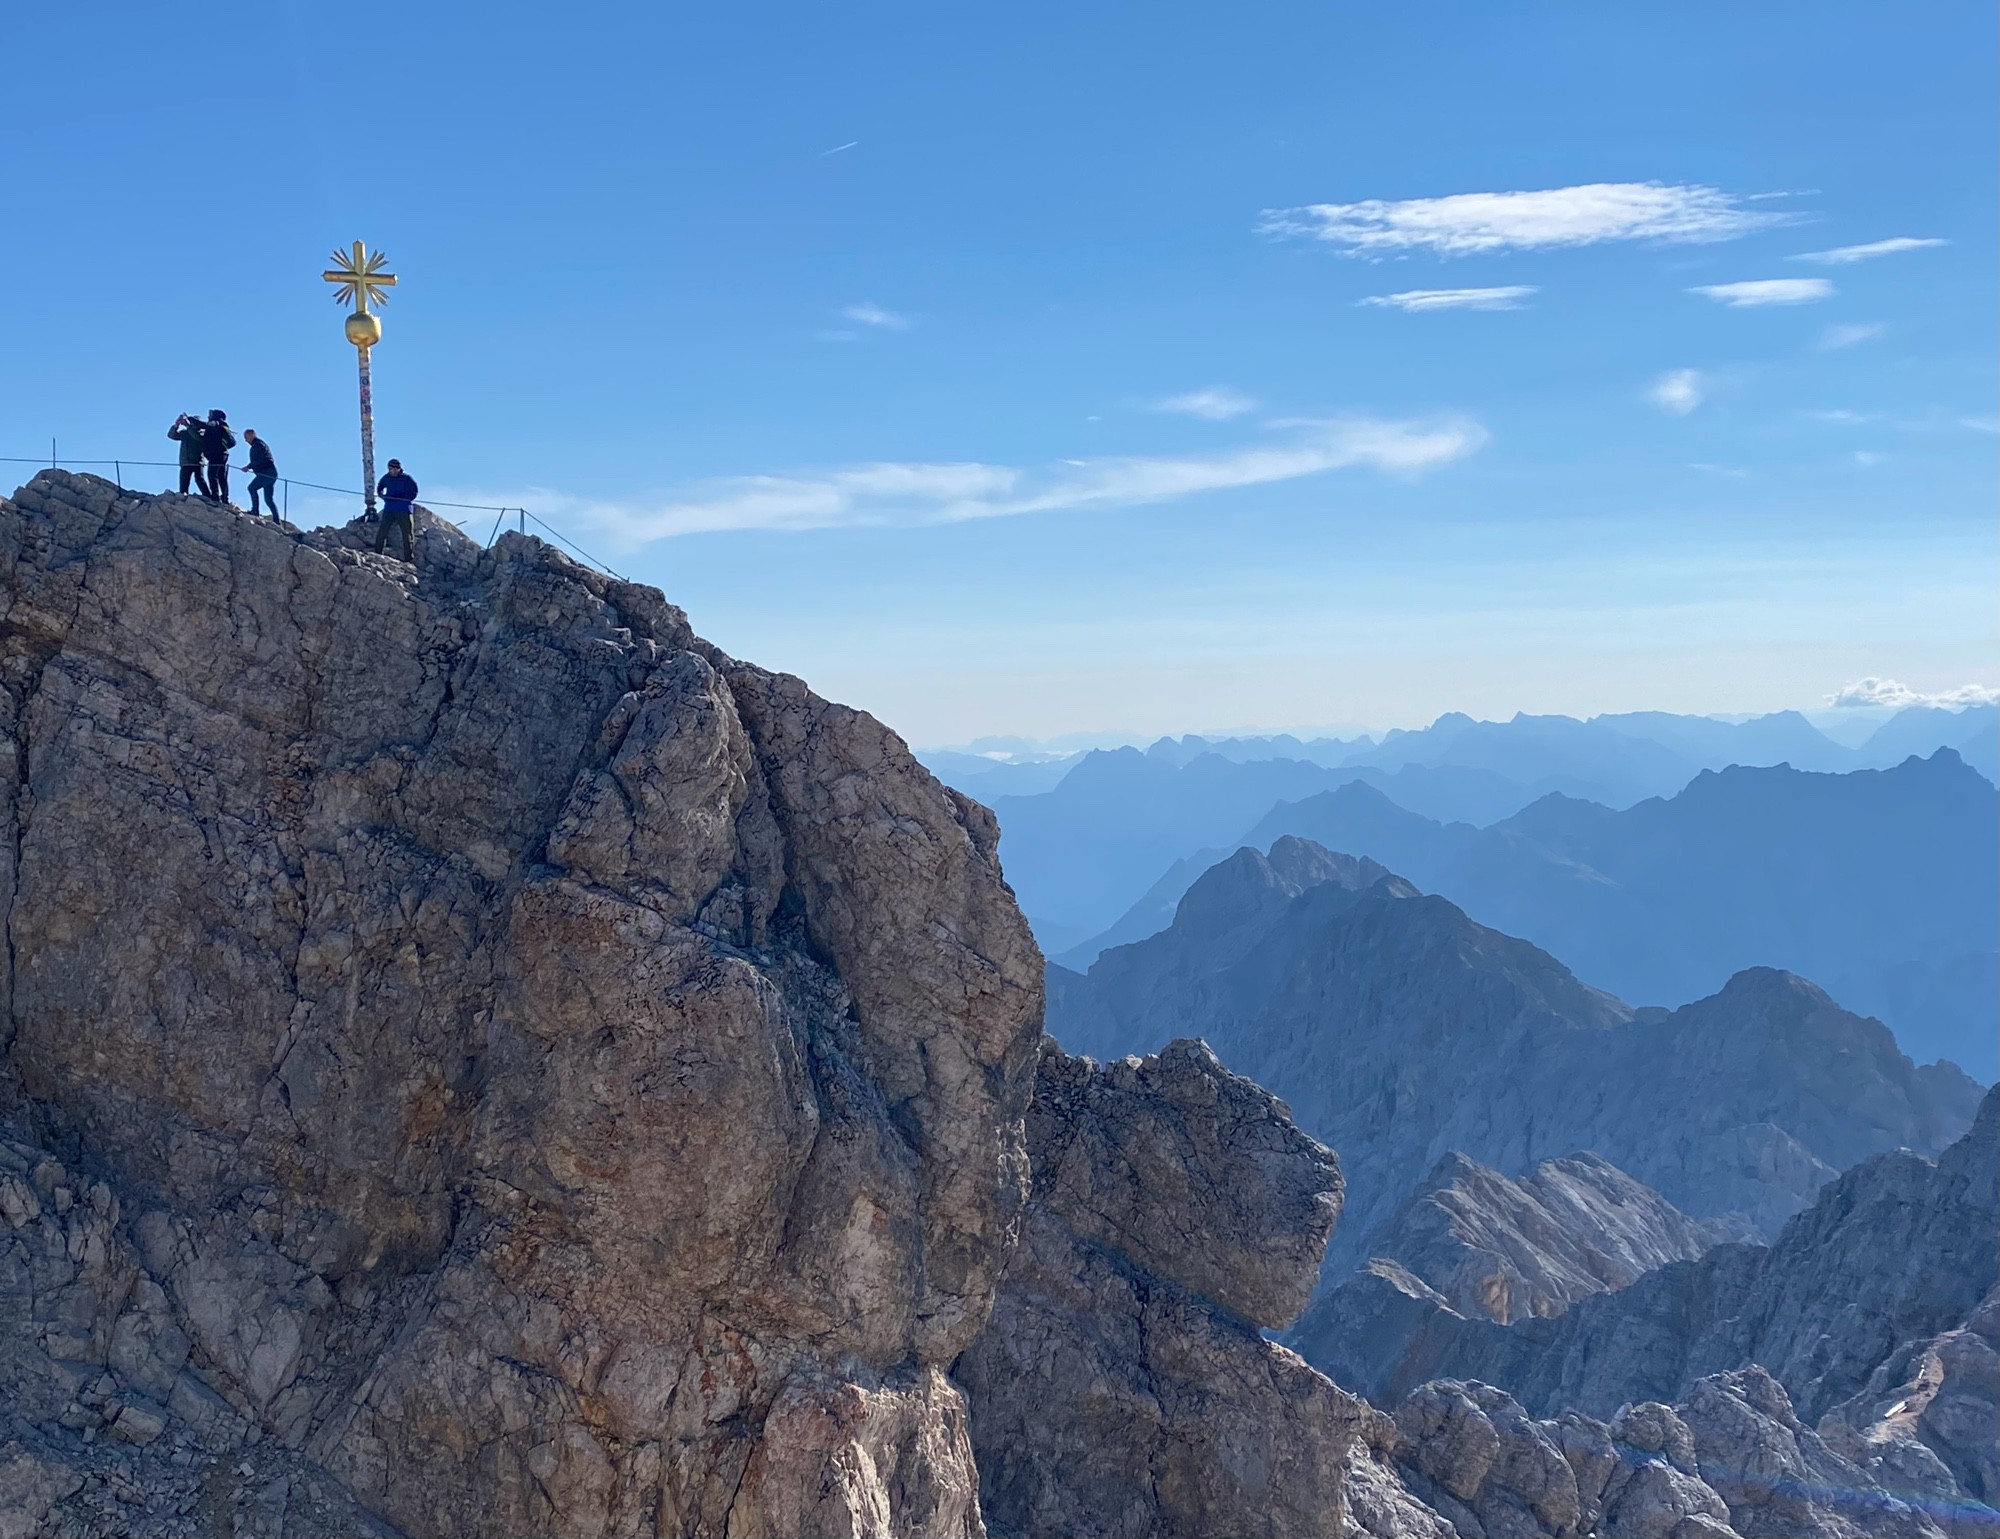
[(186, 432), (263, 472), (216, 442), (399, 501)]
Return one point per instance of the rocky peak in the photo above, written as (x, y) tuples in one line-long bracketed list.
[(1399, 1029), (1123, 1385), (1508, 1250), (551, 1077)]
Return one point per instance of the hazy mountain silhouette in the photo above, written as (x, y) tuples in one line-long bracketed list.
[(1880, 884), (1084, 839), (1398, 1029)]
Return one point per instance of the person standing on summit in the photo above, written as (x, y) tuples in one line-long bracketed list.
[(216, 442), (263, 472), (399, 500), (186, 432)]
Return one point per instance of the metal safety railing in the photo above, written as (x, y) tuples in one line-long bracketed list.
[(51, 461)]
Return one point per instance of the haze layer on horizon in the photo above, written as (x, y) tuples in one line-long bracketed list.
[(1046, 372)]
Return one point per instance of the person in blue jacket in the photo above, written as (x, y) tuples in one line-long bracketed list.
[(398, 492), (263, 472)]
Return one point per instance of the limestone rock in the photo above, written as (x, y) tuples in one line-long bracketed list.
[(1507, 1250), (1779, 1478), (1122, 1387), (544, 1076), (1894, 1252), (1927, 1426)]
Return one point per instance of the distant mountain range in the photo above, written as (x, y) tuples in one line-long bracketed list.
[(1085, 837), (1879, 884), (1398, 1030)]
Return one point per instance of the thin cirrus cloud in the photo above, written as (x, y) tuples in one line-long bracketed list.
[(1415, 301), (1757, 292), (1841, 256), (1894, 692), (1850, 333), (1219, 404), (1467, 223), (910, 494), (870, 314), (1677, 392)]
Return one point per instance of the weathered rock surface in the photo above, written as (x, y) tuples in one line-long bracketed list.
[(1894, 1252), (1398, 1030), (1508, 1250), (1927, 1426), (542, 1075), (1122, 1387), (1732, 1459)]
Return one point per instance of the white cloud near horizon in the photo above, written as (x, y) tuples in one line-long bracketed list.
[(1218, 404), (1846, 335), (908, 494), (867, 313), (1678, 391), (1470, 222), (1414, 301), (1872, 691), (1841, 256), (1755, 292)]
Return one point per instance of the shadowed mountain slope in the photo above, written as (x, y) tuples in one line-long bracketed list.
[(1895, 1251), (1399, 1030), (1879, 884)]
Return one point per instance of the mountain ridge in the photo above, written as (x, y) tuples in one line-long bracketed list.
[(1397, 1029)]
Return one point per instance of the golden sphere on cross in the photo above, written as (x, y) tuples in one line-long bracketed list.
[(363, 329)]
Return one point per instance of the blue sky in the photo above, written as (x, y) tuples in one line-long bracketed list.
[(1041, 369)]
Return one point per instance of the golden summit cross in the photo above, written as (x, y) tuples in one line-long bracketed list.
[(360, 277), (359, 280)]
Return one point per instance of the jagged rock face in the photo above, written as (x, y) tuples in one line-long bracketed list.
[(1895, 1251), (1927, 1426), (559, 1079), (1122, 1387), (1732, 1460), (1507, 1250), (1398, 1030), (1469, 1244)]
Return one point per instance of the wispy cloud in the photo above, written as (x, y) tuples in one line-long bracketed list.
[(868, 313), (1840, 256), (1846, 335), (1767, 291), (1469, 222), (1678, 392), (1873, 691), (919, 493), (1414, 300), (838, 148), (1215, 405)]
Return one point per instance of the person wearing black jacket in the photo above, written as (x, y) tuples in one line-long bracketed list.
[(399, 501), (263, 472), (186, 432), (216, 442)]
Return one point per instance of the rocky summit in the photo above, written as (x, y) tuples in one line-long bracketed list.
[(478, 1060), (479, 1056)]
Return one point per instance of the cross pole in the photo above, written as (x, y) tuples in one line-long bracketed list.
[(359, 279)]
